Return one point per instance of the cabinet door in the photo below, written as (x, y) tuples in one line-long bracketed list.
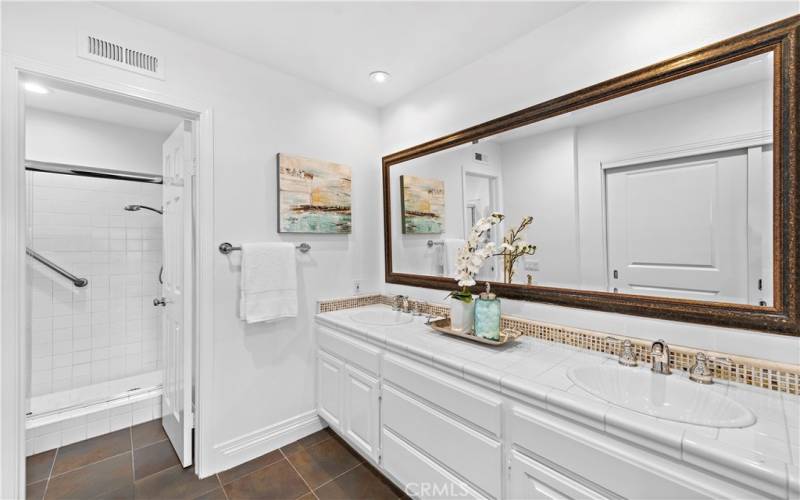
[(532, 480), (361, 410), (330, 381)]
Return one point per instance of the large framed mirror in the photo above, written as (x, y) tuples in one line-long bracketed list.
[(668, 192)]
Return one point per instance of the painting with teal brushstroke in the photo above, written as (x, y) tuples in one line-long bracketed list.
[(313, 196), (422, 205)]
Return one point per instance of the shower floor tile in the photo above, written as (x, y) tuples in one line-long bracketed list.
[(139, 463)]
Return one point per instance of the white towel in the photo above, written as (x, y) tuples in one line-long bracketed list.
[(269, 282), (450, 248)]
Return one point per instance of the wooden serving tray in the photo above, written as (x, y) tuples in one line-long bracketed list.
[(506, 335)]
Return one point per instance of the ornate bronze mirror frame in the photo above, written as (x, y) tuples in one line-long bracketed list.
[(780, 38)]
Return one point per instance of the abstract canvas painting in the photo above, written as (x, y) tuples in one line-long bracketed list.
[(423, 205), (313, 196)]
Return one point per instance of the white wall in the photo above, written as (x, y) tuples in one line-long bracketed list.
[(588, 45), (76, 140), (540, 180), (263, 373)]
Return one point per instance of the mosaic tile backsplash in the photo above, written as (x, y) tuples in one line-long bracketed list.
[(770, 375)]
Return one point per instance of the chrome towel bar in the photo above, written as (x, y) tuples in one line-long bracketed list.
[(226, 248), (79, 282)]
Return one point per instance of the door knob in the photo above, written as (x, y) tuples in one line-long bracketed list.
[(160, 301)]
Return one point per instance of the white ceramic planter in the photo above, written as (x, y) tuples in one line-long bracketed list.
[(462, 315)]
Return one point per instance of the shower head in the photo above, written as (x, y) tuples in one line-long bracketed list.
[(136, 208)]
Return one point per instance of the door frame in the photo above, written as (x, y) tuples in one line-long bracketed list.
[(495, 192), (13, 355)]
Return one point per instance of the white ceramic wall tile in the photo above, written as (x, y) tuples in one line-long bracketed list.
[(109, 329), (72, 430)]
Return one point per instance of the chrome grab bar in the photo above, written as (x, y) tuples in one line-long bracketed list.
[(79, 282)]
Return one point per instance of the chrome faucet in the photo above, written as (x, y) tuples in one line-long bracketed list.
[(401, 303), (659, 357), (627, 355), (702, 372), (398, 302)]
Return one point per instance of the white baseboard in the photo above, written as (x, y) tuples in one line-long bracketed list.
[(240, 449)]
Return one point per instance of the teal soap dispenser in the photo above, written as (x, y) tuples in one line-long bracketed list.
[(487, 315)]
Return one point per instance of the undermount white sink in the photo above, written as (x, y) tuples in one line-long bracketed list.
[(381, 317), (668, 397)]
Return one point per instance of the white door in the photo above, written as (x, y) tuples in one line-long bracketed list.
[(177, 415), (361, 410), (330, 376), (678, 228)]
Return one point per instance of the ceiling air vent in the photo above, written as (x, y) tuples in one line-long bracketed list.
[(120, 55)]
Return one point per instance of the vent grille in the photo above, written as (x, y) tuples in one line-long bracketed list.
[(119, 55)]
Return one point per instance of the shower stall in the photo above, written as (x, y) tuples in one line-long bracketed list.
[(94, 237)]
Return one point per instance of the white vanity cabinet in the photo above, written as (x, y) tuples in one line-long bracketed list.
[(330, 385), (361, 411), (348, 389), (552, 457), (439, 435)]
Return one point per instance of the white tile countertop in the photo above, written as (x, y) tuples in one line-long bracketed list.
[(535, 371)]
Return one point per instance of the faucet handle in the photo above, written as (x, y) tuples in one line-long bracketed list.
[(627, 356), (700, 372)]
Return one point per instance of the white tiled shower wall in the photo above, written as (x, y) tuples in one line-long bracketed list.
[(108, 329)]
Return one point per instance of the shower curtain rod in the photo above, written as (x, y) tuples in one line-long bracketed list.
[(103, 173)]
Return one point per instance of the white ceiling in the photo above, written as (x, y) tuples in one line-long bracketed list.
[(337, 44)]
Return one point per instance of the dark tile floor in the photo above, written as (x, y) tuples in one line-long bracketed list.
[(139, 463)]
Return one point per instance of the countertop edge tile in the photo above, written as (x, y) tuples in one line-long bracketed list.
[(634, 427), (579, 409), (522, 389), (770, 475)]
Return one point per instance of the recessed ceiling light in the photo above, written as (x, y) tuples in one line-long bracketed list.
[(36, 88), (379, 76)]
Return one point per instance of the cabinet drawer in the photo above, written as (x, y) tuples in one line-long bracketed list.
[(420, 477), (476, 458), (533, 480), (480, 407), (610, 464), (351, 350)]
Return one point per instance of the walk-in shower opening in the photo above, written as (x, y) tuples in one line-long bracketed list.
[(94, 192)]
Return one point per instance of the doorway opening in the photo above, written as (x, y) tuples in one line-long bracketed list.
[(481, 198), (109, 221)]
